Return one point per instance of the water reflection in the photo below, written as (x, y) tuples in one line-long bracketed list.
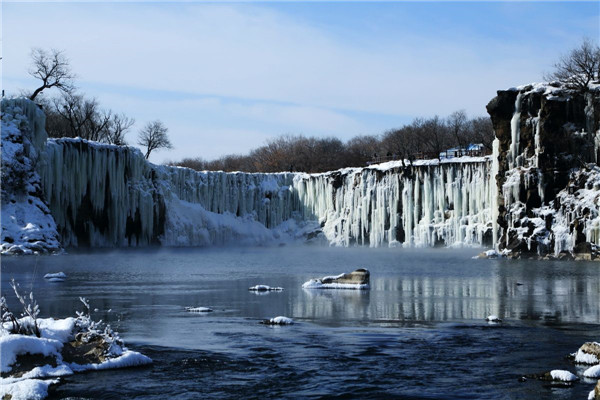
[(405, 286)]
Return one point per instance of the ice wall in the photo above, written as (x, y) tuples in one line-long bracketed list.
[(110, 196), (103, 195), (427, 204)]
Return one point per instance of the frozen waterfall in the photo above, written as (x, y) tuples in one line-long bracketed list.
[(109, 196), (116, 198)]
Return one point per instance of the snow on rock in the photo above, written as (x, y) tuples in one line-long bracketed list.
[(127, 359), (198, 309), (265, 288), (28, 389), (358, 279), (28, 227), (56, 334), (12, 346), (562, 375), (588, 353), (592, 395), (280, 320), (592, 372), (493, 318)]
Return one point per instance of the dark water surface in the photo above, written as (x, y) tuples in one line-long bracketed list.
[(418, 333)]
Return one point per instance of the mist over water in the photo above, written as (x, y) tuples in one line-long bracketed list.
[(418, 332)]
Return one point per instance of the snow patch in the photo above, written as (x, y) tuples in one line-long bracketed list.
[(562, 375), (592, 372)]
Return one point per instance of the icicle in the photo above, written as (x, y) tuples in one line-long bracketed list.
[(515, 134)]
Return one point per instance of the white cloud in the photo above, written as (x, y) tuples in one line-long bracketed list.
[(285, 74)]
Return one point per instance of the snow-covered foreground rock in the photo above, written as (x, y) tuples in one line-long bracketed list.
[(30, 364)]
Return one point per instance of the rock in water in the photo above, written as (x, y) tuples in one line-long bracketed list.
[(281, 320), (588, 353), (493, 318), (358, 279)]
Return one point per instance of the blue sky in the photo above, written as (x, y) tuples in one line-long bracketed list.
[(226, 77)]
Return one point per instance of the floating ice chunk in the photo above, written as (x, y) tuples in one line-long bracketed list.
[(280, 320), (592, 395), (198, 309), (592, 372), (493, 318), (562, 375), (56, 277), (358, 279), (265, 288)]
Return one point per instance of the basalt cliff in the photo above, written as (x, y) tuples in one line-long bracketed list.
[(548, 179)]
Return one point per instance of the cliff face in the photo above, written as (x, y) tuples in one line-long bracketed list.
[(27, 223), (547, 151)]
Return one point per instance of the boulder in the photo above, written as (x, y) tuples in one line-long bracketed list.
[(85, 349), (588, 353), (359, 277)]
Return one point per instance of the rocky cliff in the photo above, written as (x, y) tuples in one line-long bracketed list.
[(547, 152)]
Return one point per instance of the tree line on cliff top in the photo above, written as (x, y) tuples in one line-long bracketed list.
[(72, 114)]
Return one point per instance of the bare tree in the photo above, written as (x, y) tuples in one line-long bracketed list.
[(458, 125), (360, 149), (154, 136), (435, 136), (118, 126), (482, 132), (577, 69), (53, 69)]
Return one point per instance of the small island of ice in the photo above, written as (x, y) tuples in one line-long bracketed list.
[(265, 288), (198, 309), (56, 277)]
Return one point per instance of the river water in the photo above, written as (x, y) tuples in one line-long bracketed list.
[(418, 333)]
